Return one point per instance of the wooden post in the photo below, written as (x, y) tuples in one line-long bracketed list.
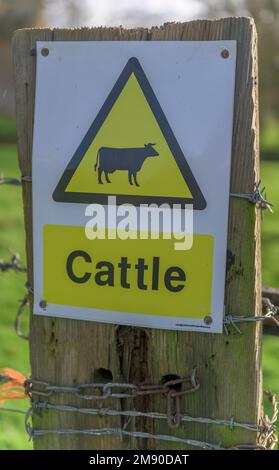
[(68, 352)]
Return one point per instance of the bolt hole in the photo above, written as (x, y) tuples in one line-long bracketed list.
[(45, 51), (225, 53), (168, 377), (103, 375)]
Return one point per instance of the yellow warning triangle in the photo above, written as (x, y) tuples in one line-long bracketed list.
[(130, 151)]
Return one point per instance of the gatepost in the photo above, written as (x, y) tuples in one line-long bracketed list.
[(154, 372)]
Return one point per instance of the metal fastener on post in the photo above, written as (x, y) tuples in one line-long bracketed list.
[(45, 51), (225, 53)]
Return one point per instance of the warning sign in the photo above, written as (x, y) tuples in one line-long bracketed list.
[(124, 129), (136, 277), (130, 150)]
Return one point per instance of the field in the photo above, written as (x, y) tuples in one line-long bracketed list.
[(14, 351)]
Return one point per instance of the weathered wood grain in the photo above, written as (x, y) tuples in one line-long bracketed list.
[(68, 352)]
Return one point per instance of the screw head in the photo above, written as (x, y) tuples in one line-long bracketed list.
[(45, 51), (225, 53), (208, 320), (43, 304)]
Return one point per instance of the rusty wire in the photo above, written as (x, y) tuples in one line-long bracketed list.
[(106, 389), (172, 390), (266, 429)]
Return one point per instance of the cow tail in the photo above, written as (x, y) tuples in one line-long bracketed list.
[(96, 164)]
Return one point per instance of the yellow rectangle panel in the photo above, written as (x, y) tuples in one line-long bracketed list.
[(143, 276)]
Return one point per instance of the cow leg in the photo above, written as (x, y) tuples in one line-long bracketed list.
[(107, 178), (100, 171), (130, 178), (135, 179)]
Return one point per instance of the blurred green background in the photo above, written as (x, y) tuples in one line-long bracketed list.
[(27, 13)]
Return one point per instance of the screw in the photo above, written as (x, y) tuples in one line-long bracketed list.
[(208, 320), (225, 53), (43, 304), (45, 51)]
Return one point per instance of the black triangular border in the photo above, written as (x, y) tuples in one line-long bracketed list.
[(60, 195)]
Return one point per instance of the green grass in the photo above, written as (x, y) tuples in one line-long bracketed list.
[(270, 269), (7, 129), (270, 137), (14, 351), (270, 225)]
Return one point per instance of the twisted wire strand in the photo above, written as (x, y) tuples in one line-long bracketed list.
[(231, 423), (257, 197)]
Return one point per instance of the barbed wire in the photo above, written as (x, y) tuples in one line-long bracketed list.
[(171, 389), (258, 197), (267, 430), (33, 433), (268, 308), (14, 181), (14, 264), (11, 181), (266, 427), (231, 423), (120, 432), (270, 312)]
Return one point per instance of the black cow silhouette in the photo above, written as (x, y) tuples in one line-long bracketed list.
[(123, 159)]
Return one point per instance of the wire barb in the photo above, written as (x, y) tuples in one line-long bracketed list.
[(258, 197), (270, 312), (185, 418), (14, 264), (172, 389), (266, 428)]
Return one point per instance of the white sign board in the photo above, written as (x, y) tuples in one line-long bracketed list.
[(119, 126)]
